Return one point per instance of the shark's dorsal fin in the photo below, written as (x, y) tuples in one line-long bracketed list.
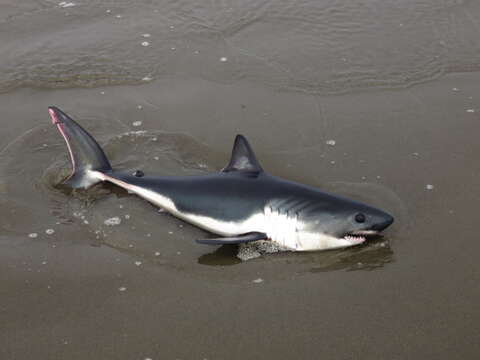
[(243, 157)]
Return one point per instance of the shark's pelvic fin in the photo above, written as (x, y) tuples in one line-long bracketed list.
[(251, 236), (243, 158)]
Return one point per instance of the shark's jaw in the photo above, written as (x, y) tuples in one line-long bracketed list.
[(354, 240), (359, 236), (321, 241)]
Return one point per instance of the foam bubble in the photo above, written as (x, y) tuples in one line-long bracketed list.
[(65, 4), (248, 253), (255, 249), (113, 221)]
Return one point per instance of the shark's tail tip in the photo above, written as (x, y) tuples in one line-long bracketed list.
[(58, 116), (53, 111)]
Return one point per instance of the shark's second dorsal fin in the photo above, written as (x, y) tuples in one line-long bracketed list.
[(243, 157)]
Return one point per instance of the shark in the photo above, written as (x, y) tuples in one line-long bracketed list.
[(239, 204)]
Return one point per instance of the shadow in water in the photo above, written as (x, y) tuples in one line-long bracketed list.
[(373, 255), (225, 255)]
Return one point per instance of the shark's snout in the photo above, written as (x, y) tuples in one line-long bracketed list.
[(385, 221)]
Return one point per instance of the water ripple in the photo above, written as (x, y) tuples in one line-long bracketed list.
[(308, 46)]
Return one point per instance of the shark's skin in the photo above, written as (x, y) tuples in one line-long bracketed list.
[(241, 203)]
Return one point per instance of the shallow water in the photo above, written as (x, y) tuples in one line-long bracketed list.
[(165, 86)]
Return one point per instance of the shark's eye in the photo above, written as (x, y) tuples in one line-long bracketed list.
[(360, 218)]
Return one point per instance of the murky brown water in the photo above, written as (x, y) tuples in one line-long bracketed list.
[(165, 86)]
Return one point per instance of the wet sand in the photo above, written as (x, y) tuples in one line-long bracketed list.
[(403, 109)]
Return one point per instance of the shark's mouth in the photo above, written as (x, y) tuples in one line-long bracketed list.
[(359, 236)]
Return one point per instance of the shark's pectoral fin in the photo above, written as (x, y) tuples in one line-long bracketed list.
[(251, 236)]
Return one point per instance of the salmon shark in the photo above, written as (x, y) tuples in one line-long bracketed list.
[(239, 204)]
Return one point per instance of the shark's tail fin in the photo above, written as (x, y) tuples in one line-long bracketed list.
[(85, 153)]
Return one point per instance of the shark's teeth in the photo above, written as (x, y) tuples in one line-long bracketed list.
[(363, 233), (355, 239)]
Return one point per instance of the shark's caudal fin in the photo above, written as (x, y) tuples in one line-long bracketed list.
[(85, 153)]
